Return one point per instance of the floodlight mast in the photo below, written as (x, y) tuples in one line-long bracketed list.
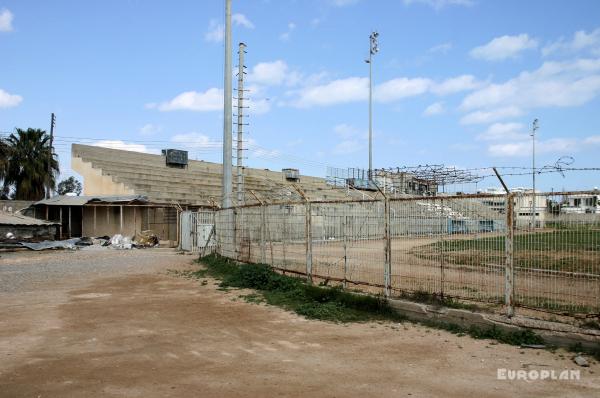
[(373, 49), (534, 202), (227, 188)]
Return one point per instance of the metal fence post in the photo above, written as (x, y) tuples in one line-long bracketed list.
[(263, 230), (308, 242), (234, 237), (509, 248), (387, 273), (444, 231)]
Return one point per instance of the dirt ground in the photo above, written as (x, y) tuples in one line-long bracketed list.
[(135, 330)]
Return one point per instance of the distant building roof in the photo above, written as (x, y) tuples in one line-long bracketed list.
[(19, 219), (67, 200)]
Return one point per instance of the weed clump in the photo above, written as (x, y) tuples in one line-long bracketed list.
[(334, 303), (315, 302)]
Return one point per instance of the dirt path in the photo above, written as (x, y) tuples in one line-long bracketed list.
[(150, 334)]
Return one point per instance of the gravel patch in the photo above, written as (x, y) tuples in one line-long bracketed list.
[(30, 271)]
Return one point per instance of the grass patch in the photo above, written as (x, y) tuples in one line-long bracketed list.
[(437, 300), (315, 302), (571, 250), (333, 303)]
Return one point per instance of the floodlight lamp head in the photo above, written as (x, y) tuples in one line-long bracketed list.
[(374, 45)]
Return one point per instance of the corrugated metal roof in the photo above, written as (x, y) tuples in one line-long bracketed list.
[(65, 200), (19, 219)]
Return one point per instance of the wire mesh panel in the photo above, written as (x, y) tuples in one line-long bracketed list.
[(557, 251), (348, 242), (248, 234), (225, 224), (286, 236), (456, 246), (449, 246)]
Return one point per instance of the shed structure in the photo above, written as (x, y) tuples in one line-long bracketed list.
[(94, 216)]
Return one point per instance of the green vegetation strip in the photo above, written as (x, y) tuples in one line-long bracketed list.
[(566, 250), (328, 303)]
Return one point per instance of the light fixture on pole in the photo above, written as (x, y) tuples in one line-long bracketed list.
[(534, 201), (373, 49)]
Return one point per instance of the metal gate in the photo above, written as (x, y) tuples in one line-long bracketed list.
[(197, 231)]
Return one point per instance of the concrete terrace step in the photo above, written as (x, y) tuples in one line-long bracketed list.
[(148, 174)]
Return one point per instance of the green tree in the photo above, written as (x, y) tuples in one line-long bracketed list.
[(31, 166), (70, 185), (3, 167)]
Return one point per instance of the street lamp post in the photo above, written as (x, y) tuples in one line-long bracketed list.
[(373, 49)]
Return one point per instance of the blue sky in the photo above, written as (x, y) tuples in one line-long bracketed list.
[(456, 82)]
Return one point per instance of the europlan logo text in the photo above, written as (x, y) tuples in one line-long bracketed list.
[(535, 374)]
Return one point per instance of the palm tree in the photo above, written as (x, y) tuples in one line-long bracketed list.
[(31, 165), (3, 166)]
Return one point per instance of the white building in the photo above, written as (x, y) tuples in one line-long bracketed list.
[(581, 204), (524, 205)]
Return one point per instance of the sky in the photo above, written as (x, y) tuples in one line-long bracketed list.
[(455, 82)]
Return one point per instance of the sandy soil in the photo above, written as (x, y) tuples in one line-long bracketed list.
[(147, 333)]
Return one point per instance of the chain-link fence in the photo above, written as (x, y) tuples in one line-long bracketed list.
[(540, 251)]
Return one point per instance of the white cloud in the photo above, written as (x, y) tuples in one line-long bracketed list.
[(285, 36), (118, 144), (258, 106), (6, 18), (256, 151), (504, 131), (504, 47), (150, 129), (216, 29), (441, 48), (335, 92), (242, 20), (554, 84), (488, 116), (353, 89), (439, 4), (271, 73), (523, 148), (210, 100), (196, 141), (592, 140), (437, 108), (456, 84), (8, 100), (402, 87), (581, 41)]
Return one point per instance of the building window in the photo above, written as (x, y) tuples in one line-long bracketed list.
[(577, 202)]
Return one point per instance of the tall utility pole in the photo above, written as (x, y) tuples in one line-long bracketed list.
[(534, 201), (240, 124), (227, 155), (373, 49), (52, 123)]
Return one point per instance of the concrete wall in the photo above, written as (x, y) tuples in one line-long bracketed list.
[(95, 183), (26, 232)]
